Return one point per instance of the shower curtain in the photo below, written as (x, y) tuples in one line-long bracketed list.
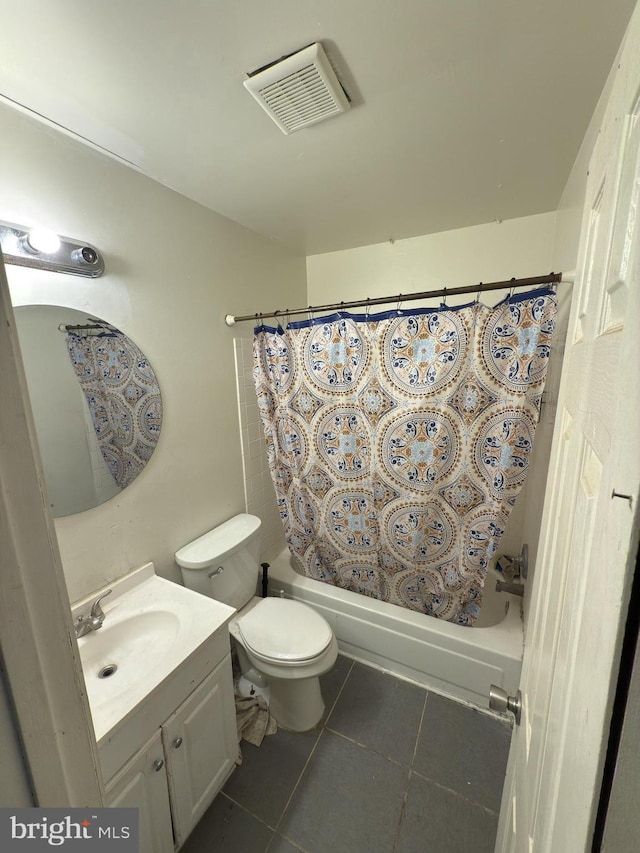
[(399, 442), (123, 396)]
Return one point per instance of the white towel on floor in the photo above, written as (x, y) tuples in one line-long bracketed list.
[(253, 719)]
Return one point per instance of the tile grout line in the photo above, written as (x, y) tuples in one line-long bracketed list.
[(288, 840), (263, 822), (335, 701), (405, 797), (323, 728), (298, 780), (277, 823), (419, 732), (455, 793), (413, 758), (438, 784), (367, 747), (246, 810)]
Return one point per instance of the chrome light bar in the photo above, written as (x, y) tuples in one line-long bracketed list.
[(43, 249)]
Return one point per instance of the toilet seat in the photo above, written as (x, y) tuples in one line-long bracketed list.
[(284, 632)]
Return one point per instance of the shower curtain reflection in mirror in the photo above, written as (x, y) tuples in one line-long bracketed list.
[(123, 397), (76, 475)]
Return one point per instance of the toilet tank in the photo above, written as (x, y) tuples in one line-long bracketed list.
[(223, 563)]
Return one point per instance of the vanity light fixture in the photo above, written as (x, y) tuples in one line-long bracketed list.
[(41, 240), (43, 249)]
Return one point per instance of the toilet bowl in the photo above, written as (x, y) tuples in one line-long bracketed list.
[(289, 645), (280, 644)]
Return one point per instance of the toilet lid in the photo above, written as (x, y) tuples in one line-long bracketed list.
[(285, 631)]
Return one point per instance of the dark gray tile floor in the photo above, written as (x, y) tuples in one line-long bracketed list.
[(391, 768)]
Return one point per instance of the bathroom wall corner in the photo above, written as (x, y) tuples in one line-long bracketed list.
[(260, 497)]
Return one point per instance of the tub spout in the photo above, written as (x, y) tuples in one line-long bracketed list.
[(512, 588)]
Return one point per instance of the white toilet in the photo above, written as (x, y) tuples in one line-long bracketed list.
[(280, 643)]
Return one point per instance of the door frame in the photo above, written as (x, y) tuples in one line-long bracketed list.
[(622, 91), (618, 790), (38, 647)]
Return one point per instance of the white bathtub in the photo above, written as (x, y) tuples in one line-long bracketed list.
[(451, 659)]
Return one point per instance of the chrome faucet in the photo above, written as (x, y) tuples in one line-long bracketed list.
[(512, 588), (85, 624)]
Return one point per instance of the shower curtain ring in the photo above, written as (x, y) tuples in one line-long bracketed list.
[(444, 297), (310, 314), (368, 308), (478, 294), (398, 305), (511, 289)]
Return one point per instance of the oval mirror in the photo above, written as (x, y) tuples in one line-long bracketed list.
[(95, 400)]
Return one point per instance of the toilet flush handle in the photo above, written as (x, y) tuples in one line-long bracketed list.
[(215, 572)]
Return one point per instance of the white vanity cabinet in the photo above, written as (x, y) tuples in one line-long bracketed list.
[(175, 776), (142, 784), (160, 687), (201, 747)]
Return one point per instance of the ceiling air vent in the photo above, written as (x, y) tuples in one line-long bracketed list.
[(300, 90)]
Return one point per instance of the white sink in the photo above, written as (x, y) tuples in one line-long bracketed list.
[(151, 627), (125, 651)]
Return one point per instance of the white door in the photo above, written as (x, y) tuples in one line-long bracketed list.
[(142, 784), (201, 745), (589, 535)]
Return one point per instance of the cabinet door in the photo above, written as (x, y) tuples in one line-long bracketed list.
[(201, 746), (142, 784)]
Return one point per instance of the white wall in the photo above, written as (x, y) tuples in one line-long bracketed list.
[(173, 270), (492, 252), (260, 495)]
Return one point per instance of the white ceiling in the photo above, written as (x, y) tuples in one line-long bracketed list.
[(463, 111)]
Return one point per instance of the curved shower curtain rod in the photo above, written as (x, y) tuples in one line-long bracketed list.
[(551, 278)]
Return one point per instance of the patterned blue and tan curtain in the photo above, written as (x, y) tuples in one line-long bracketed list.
[(123, 396), (399, 442)]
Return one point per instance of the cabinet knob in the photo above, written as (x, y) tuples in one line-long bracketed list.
[(158, 764), (177, 743)]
